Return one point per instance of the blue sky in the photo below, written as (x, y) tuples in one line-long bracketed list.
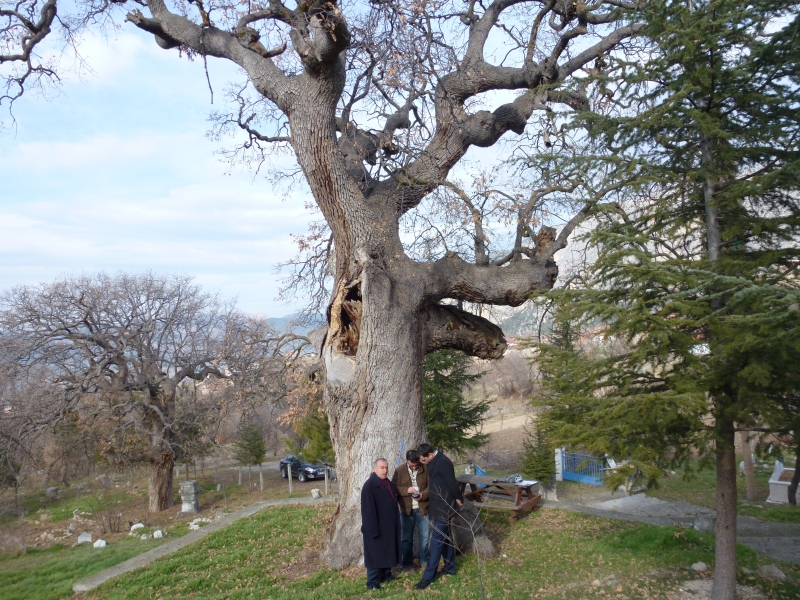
[(115, 173)]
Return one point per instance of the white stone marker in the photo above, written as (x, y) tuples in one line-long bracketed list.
[(85, 537)]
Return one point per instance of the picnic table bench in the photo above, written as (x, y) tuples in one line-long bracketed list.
[(521, 495)]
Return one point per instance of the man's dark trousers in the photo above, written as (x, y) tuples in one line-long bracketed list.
[(377, 576), (441, 547)]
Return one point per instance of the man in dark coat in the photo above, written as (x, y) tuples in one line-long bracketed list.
[(380, 525), (444, 496)]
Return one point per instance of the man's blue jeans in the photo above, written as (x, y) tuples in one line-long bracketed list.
[(441, 547), (415, 519)]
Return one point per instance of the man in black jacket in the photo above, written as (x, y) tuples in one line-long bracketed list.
[(380, 525), (444, 495)]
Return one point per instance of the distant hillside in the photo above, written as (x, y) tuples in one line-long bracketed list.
[(518, 322), (289, 324), (507, 382)]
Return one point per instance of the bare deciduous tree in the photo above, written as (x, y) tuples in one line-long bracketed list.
[(24, 24), (131, 340)]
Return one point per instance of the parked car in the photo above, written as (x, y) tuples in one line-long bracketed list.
[(301, 469)]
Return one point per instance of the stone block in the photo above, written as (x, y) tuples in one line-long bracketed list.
[(705, 523), (85, 537), (772, 572), (189, 491)]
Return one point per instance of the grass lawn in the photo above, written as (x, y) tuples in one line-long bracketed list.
[(701, 489), (47, 571), (49, 574), (550, 554)]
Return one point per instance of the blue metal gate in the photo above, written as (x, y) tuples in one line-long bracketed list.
[(585, 468)]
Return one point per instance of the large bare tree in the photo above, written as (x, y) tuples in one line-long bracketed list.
[(379, 101), (129, 339)]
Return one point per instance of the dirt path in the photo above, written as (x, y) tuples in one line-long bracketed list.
[(780, 541), (144, 559)]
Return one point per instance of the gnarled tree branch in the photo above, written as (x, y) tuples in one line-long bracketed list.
[(450, 327)]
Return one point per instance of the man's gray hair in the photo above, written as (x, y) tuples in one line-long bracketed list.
[(377, 460)]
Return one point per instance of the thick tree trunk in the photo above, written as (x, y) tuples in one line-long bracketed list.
[(749, 471), (373, 361), (160, 483), (162, 458), (724, 587), (795, 478)]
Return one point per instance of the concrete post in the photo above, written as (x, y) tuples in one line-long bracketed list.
[(559, 464)]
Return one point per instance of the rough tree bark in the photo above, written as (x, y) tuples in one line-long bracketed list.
[(724, 587), (795, 478), (384, 314), (161, 456), (159, 484), (749, 473)]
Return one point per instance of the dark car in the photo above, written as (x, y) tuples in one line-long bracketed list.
[(300, 469)]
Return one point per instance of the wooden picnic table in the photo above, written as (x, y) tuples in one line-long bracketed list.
[(522, 496)]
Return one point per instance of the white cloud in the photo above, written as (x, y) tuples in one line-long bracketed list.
[(106, 57)]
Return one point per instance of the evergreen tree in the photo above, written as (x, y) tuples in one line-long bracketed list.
[(449, 418), (696, 271), (538, 460), (316, 432), (558, 359), (249, 447)]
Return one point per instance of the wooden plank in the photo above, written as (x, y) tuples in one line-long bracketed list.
[(532, 503), (497, 506)]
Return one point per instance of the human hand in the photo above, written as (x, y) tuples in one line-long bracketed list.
[(412, 491), (460, 503)]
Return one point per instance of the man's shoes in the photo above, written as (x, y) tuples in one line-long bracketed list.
[(388, 578), (423, 584), (407, 570), (374, 587)]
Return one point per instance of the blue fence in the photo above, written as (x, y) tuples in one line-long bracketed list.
[(481, 472), (585, 468)]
